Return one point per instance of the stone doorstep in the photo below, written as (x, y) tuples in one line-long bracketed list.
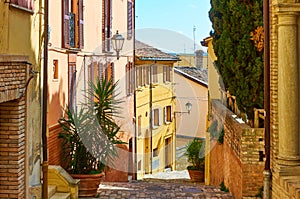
[(51, 190), (61, 196)]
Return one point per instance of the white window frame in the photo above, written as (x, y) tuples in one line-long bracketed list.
[(156, 112)]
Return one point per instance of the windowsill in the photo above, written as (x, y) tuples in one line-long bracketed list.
[(139, 89), (55, 80), (73, 49), (167, 122), (21, 8), (155, 127)]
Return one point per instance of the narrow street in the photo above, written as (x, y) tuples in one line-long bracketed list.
[(161, 185)]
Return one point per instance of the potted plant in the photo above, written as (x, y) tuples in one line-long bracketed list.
[(195, 154), (89, 136)]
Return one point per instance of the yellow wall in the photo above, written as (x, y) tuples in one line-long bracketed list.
[(214, 78), (186, 60), (186, 90), (21, 34), (162, 96)]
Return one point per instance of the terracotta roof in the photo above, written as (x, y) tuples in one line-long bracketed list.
[(146, 52), (197, 74)]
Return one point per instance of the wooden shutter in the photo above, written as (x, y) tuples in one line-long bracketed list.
[(80, 25), (128, 78), (103, 26), (23, 3), (66, 24), (106, 24), (165, 115), (129, 18), (160, 119), (165, 73), (101, 66)]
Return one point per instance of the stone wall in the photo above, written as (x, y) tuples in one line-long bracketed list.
[(239, 160)]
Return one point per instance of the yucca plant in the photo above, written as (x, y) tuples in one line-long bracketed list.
[(90, 134)]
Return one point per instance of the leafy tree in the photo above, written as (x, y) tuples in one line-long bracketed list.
[(240, 61)]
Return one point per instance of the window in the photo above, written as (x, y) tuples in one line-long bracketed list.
[(73, 30), (106, 25), (156, 119), (139, 76), (28, 4), (130, 78), (72, 85), (168, 114), (129, 19), (167, 74), (140, 125), (55, 69), (109, 71), (146, 75), (155, 152), (154, 74)]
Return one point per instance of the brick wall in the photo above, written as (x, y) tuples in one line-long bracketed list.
[(237, 161), (54, 145), (12, 79), (13, 73), (12, 149)]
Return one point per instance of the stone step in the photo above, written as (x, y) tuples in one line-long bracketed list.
[(144, 189), (51, 190), (61, 196)]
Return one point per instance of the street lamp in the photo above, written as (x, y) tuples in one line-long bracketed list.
[(117, 42)]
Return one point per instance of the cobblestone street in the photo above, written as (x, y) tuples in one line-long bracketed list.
[(175, 184), (160, 189)]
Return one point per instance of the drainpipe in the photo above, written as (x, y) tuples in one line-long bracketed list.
[(267, 172), (134, 100), (150, 115), (44, 106)]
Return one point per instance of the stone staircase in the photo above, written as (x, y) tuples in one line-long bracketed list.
[(60, 184), (160, 189), (53, 194)]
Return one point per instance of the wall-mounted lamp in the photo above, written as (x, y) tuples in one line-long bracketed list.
[(117, 42), (188, 107)]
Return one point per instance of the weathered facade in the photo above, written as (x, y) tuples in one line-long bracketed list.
[(284, 98), (235, 158), (20, 98), (80, 51)]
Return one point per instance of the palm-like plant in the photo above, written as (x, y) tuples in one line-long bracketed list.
[(90, 134)]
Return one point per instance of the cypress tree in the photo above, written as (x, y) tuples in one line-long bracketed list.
[(240, 61)]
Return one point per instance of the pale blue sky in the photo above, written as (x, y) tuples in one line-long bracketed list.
[(176, 17)]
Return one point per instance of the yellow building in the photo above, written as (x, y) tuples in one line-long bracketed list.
[(21, 52), (155, 130)]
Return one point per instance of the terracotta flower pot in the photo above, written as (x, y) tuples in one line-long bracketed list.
[(89, 184), (196, 175)]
